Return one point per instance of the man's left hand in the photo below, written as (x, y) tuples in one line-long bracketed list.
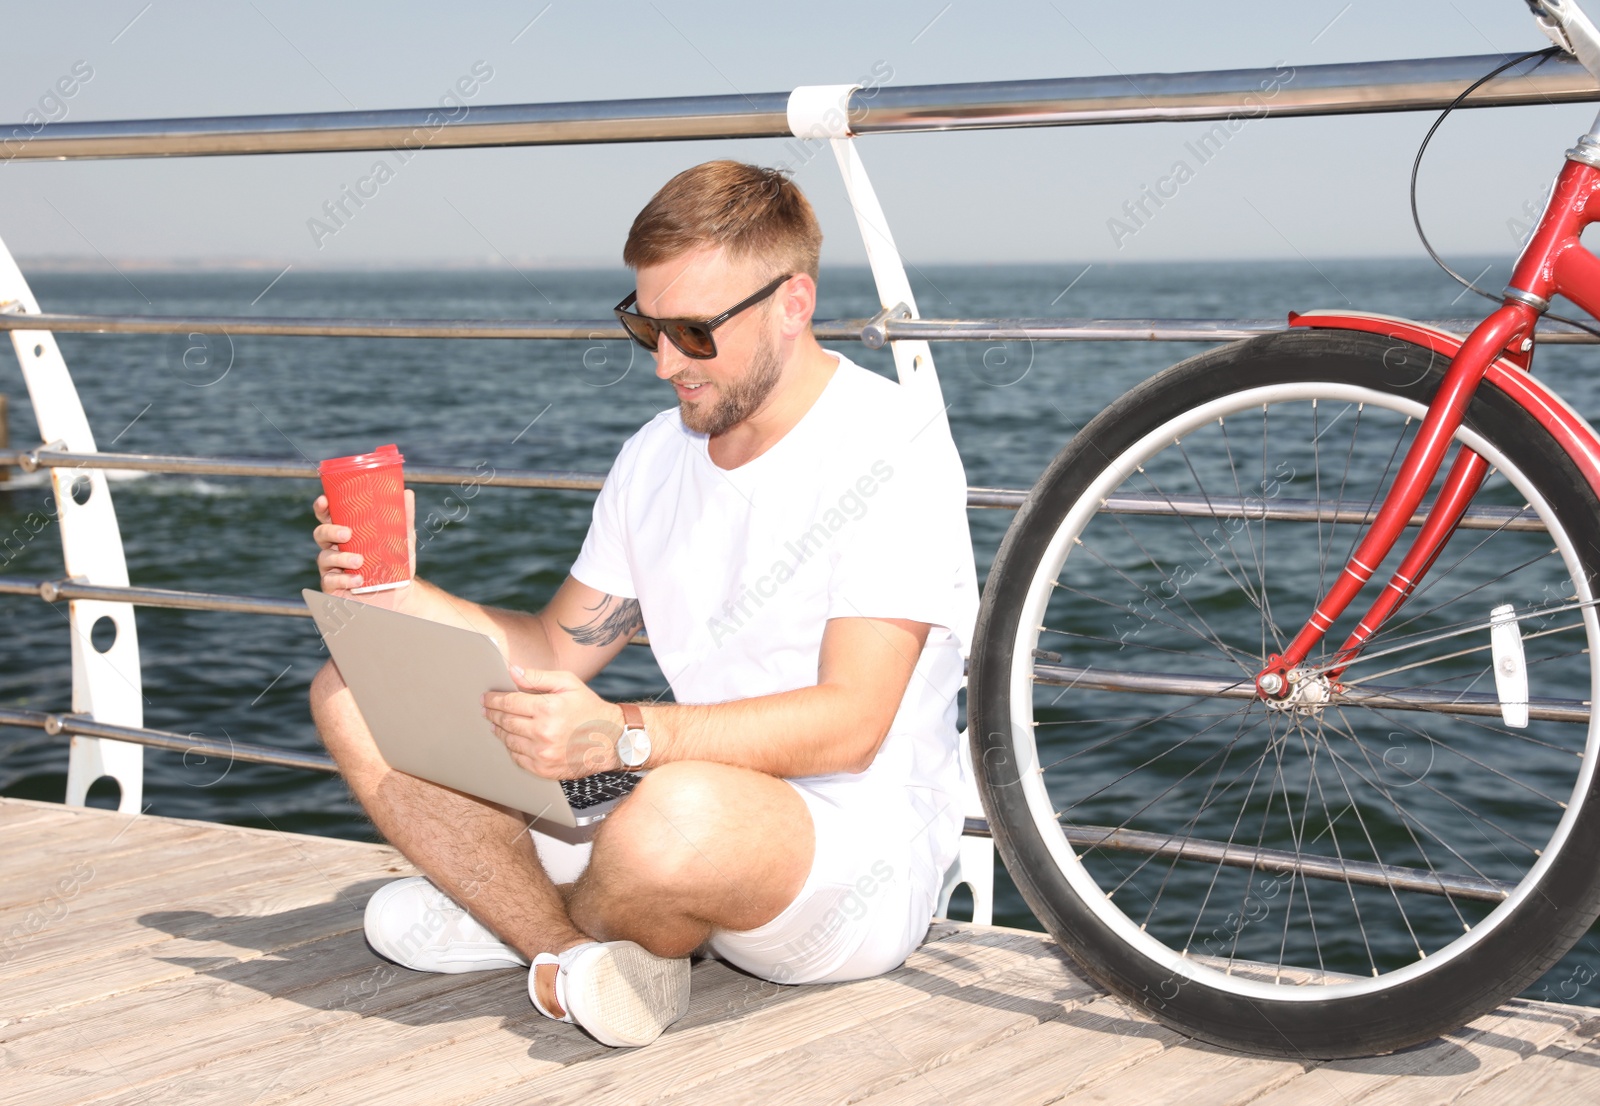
[(555, 726)]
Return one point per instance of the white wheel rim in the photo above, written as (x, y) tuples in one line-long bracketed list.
[(1031, 777)]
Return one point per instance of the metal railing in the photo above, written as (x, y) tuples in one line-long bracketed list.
[(1281, 509), (872, 333), (1363, 87), (1142, 98)]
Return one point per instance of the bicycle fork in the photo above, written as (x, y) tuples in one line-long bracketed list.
[(1508, 327)]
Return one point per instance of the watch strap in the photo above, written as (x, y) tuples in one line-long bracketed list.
[(632, 716)]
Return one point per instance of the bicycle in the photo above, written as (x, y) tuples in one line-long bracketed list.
[(1298, 839)]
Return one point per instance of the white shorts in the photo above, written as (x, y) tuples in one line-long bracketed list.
[(866, 904)]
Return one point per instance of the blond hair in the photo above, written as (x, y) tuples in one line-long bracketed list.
[(749, 211)]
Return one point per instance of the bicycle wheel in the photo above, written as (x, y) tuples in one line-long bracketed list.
[(1342, 879)]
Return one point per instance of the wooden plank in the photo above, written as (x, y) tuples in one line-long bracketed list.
[(1442, 1069), (744, 1024), (305, 915), (94, 887), (1202, 1075), (283, 1023), (47, 849), (1084, 1047), (276, 917), (48, 1050), (33, 1037), (950, 1021), (127, 912), (1500, 1042), (38, 903), (724, 1000), (342, 1047), (719, 1039), (17, 813), (1194, 1074), (486, 1063), (1563, 1073), (79, 812), (518, 1053), (16, 806), (212, 869)]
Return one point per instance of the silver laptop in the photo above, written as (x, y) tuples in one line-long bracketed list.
[(420, 687)]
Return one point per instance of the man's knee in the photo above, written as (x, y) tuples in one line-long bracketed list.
[(660, 834), (681, 790)]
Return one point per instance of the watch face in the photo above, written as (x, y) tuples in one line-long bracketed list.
[(633, 747)]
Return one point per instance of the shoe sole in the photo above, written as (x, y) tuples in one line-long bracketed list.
[(625, 996)]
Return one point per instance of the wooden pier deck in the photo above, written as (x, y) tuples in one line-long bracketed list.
[(155, 960)]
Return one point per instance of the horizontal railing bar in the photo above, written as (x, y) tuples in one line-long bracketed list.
[(605, 330), (1287, 509), (180, 465), (313, 326), (1070, 330), (1054, 675), (1356, 88), (52, 591), (1392, 698), (1126, 330), (1189, 506), (1008, 499), (1280, 862), (1417, 84), (1152, 844), (83, 726)]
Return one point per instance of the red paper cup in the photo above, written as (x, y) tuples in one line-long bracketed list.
[(367, 493)]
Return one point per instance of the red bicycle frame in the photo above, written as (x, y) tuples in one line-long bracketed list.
[(1553, 262)]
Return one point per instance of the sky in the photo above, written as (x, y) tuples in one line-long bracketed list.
[(1281, 188)]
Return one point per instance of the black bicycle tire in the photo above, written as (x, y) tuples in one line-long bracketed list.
[(1509, 958)]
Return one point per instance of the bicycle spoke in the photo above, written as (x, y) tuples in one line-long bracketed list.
[(1250, 595), (1164, 753), (1475, 818), (1210, 638), (1410, 827)]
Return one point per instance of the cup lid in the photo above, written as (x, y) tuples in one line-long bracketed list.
[(384, 455)]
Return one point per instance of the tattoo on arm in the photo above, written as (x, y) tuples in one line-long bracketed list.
[(609, 623)]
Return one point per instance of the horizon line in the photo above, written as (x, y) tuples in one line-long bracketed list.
[(96, 264)]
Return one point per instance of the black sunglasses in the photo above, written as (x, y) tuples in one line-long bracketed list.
[(691, 336)]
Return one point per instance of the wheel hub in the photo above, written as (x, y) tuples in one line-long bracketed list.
[(1305, 692)]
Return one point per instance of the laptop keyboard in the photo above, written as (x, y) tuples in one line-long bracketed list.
[(598, 788)]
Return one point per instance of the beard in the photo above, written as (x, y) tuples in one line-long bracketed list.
[(739, 399)]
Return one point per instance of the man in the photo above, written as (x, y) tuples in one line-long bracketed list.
[(793, 538)]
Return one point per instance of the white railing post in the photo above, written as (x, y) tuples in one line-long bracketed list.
[(106, 686), (818, 112)]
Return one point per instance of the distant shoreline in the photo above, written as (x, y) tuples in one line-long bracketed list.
[(90, 265)]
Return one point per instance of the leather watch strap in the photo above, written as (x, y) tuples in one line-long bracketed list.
[(632, 716)]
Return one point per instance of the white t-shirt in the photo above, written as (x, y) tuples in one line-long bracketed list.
[(858, 511)]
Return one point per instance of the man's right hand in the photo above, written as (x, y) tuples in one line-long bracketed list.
[(339, 571)]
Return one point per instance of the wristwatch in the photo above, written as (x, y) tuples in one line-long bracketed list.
[(633, 747)]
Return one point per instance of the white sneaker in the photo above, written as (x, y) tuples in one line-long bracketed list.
[(623, 995), (418, 926)]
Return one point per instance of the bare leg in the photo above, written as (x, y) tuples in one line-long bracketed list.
[(696, 846), (478, 852)]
